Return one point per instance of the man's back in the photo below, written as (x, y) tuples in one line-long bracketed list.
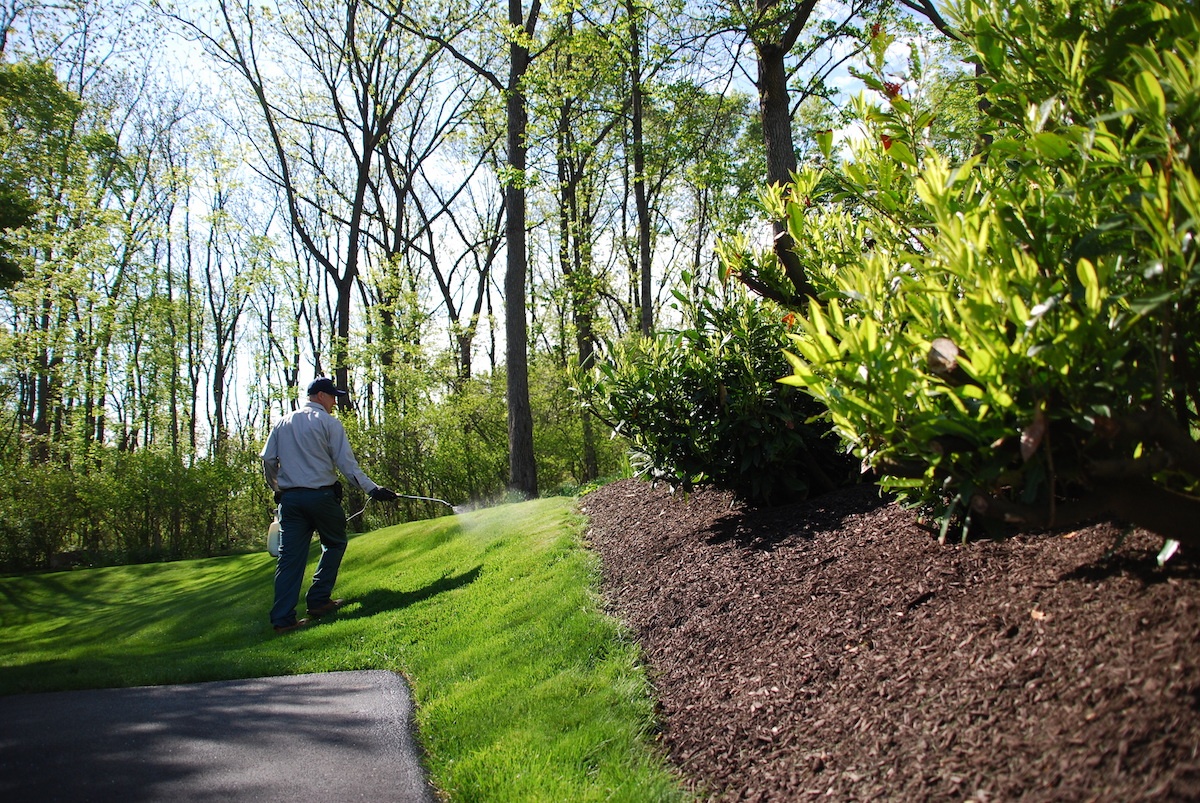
[(300, 442)]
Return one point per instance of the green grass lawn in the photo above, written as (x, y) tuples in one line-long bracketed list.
[(524, 689)]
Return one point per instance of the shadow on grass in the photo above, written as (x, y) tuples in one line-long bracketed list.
[(390, 600), (94, 608), (43, 595)]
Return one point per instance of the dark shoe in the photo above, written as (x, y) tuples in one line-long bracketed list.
[(327, 607), (296, 625)]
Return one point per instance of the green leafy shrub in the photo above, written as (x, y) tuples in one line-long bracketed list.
[(559, 439), (1015, 337), (702, 404), (454, 446), (128, 507), (37, 513)]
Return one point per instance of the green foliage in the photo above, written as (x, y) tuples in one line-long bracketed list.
[(717, 138), (127, 507), (455, 447), (36, 118), (558, 437), (994, 335), (702, 405), (36, 515)]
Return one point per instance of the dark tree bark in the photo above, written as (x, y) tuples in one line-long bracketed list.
[(521, 463), (777, 123), (640, 199)]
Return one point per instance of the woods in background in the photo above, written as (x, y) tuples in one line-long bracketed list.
[(449, 210)]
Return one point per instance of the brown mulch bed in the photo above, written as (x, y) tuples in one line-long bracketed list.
[(834, 649)]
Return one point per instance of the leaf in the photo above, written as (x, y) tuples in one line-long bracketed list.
[(825, 142), (902, 153), (1150, 93), (1147, 304), (795, 362), (1169, 547), (1091, 284), (861, 405), (1041, 114), (1124, 101), (820, 334), (1051, 146), (903, 482)]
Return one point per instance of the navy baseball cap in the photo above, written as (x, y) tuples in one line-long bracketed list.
[(324, 384)]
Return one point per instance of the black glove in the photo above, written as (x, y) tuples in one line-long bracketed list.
[(383, 495)]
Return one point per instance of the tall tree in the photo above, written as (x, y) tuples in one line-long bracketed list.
[(423, 227), (522, 466), (361, 62), (706, 166), (775, 28), (519, 33), (48, 164), (587, 102), (634, 15), (36, 112)]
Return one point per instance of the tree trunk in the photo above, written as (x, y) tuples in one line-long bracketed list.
[(341, 342), (777, 125), (575, 232), (776, 114), (781, 152), (640, 201), (522, 467)]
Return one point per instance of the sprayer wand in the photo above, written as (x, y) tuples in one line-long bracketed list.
[(405, 496), (426, 499)]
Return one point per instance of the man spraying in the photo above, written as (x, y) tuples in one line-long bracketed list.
[(303, 453)]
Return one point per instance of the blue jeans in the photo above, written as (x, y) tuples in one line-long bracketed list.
[(301, 512)]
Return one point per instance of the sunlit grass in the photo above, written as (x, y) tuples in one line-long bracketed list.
[(524, 689)]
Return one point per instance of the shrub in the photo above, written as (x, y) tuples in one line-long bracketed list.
[(1015, 337), (701, 404), (560, 441), (128, 507), (37, 514), (454, 446)]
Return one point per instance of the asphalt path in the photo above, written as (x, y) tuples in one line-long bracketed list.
[(330, 736)]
